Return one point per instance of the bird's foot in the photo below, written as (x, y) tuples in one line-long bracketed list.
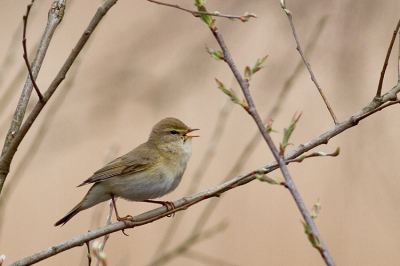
[(126, 218), (167, 204)]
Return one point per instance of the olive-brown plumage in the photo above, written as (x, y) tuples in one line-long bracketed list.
[(151, 170)]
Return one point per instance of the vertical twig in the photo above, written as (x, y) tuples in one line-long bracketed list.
[(289, 15), (385, 64), (25, 18), (88, 253), (106, 237)]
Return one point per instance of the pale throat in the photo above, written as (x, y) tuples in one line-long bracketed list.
[(182, 148)]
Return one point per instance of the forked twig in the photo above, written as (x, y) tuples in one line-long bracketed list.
[(25, 18), (289, 15), (385, 64)]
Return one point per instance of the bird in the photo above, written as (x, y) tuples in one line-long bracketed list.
[(151, 170)]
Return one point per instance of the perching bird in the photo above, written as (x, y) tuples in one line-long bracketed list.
[(151, 170)]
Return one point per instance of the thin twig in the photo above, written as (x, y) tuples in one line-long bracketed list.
[(289, 15), (106, 237), (378, 109), (88, 253), (385, 64), (243, 18), (25, 18), (188, 201)]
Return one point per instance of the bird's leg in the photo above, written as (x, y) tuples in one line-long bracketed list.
[(167, 204), (126, 218)]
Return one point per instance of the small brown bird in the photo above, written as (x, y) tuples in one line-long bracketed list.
[(151, 170)]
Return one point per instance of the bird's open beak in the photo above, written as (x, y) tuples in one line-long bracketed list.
[(190, 130)]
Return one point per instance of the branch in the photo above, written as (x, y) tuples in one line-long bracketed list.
[(106, 237), (289, 15), (288, 179), (243, 18), (18, 135), (25, 18), (245, 155), (186, 202), (54, 19), (379, 91)]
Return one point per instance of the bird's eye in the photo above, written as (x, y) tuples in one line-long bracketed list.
[(173, 132)]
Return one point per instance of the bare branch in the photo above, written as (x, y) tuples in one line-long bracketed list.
[(385, 64), (243, 18), (288, 179), (106, 237), (289, 15), (18, 135), (54, 19)]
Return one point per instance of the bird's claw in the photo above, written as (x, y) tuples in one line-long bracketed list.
[(168, 204)]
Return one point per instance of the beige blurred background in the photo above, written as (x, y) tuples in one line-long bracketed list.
[(146, 62)]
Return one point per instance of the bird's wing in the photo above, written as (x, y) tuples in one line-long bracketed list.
[(130, 163)]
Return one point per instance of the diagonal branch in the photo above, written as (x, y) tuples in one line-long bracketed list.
[(289, 15), (243, 157), (188, 201), (243, 18), (53, 21), (18, 135), (288, 179)]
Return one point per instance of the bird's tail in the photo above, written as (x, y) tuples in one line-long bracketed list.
[(69, 215)]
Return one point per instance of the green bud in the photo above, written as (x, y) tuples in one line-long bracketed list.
[(315, 209), (216, 54), (247, 73)]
